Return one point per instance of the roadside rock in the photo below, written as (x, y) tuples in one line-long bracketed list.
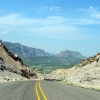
[(85, 74), (12, 67)]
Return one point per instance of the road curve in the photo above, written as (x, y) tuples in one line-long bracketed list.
[(58, 91), (26, 90)]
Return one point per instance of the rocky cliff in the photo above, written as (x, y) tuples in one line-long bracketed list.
[(85, 74), (25, 51), (11, 66)]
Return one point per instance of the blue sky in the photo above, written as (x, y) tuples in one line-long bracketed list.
[(52, 25)]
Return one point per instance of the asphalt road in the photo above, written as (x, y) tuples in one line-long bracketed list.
[(33, 90)]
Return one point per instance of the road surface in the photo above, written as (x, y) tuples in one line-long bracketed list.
[(45, 90)]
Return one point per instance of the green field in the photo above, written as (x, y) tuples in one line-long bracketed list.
[(48, 64)]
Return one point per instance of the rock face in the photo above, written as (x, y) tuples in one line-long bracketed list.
[(86, 73), (24, 51), (2, 64), (12, 63)]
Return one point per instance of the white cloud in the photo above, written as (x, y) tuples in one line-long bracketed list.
[(96, 15), (50, 27), (55, 8), (91, 8), (92, 17), (4, 31), (17, 20), (92, 12), (60, 32), (85, 21)]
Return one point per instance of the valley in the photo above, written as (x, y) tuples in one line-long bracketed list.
[(43, 61)]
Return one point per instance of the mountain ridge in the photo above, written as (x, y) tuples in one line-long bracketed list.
[(69, 53), (17, 47), (25, 51), (37, 58)]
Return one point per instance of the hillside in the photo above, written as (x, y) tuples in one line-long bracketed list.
[(85, 74), (12, 67)]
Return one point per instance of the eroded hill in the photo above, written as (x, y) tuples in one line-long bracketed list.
[(85, 74), (12, 66)]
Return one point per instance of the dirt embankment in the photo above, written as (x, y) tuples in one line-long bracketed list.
[(85, 74)]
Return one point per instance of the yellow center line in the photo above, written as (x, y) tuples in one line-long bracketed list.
[(37, 85), (37, 94), (45, 98)]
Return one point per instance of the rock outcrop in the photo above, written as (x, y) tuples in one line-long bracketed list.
[(12, 63), (85, 74)]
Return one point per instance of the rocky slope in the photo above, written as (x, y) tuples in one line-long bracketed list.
[(85, 74), (12, 67)]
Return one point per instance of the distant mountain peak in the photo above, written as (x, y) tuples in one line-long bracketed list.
[(38, 57), (69, 53)]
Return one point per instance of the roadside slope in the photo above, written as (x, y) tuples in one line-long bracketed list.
[(85, 74), (12, 63)]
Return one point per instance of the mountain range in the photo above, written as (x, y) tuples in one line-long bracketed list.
[(24, 51), (40, 58)]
